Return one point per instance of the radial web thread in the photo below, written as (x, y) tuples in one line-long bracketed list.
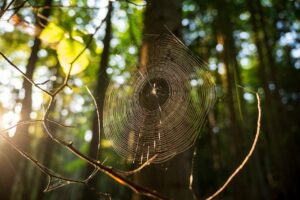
[(160, 110)]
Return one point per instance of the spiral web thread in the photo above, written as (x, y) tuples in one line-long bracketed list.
[(160, 111)]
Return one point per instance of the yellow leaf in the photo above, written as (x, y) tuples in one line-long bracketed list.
[(67, 51), (52, 33)]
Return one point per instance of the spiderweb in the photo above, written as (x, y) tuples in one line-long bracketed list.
[(160, 110)]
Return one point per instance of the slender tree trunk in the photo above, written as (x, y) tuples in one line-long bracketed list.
[(287, 175), (265, 80), (234, 103), (279, 180), (171, 178), (21, 137), (102, 81), (228, 56), (262, 65)]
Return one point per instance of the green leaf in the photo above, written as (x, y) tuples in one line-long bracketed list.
[(67, 51), (52, 33)]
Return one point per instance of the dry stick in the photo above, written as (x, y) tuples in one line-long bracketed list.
[(239, 168)]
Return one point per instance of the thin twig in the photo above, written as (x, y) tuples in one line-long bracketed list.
[(98, 121), (24, 75), (131, 172), (44, 82), (240, 167), (20, 124), (135, 4), (60, 124), (81, 52), (17, 9), (57, 6), (5, 9), (191, 181)]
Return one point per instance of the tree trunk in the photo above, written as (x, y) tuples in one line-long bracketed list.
[(283, 159), (231, 79), (21, 137), (102, 81), (172, 178), (279, 180)]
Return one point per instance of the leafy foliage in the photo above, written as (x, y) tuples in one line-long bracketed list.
[(52, 33), (67, 51)]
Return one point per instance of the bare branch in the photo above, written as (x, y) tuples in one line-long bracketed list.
[(240, 167), (57, 6), (17, 9), (39, 165), (24, 75), (20, 124), (71, 64), (135, 4), (5, 9), (107, 170), (98, 121), (128, 173), (59, 124)]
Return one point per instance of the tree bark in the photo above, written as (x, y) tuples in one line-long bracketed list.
[(172, 178)]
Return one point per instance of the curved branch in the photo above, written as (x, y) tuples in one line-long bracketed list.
[(240, 167)]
